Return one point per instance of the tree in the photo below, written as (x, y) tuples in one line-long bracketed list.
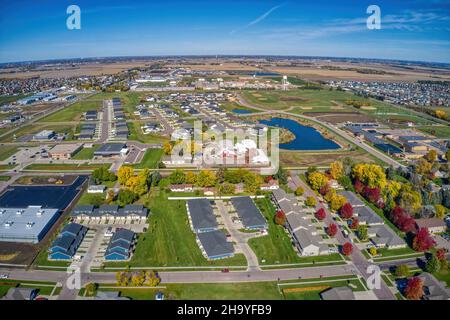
[(423, 241), (252, 182), (371, 175), (326, 188), (422, 166), (372, 194), (96, 200), (281, 175), (227, 188), (359, 186), (191, 177), (336, 170), (317, 180), (337, 201), (373, 251), (346, 211), (433, 264), (110, 196), (280, 218), (431, 156), (102, 174), (138, 279), (177, 177), (153, 278), (354, 225), (440, 211), (414, 289), (299, 191), (332, 229), (406, 223), (347, 249), (206, 178), (447, 155), (320, 214), (126, 196), (91, 288), (137, 184), (409, 199), (440, 254), (441, 114), (363, 235), (310, 201), (124, 173), (167, 148), (402, 271)]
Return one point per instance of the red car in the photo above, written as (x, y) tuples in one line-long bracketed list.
[(225, 270)]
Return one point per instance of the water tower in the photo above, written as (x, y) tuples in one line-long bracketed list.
[(284, 83)]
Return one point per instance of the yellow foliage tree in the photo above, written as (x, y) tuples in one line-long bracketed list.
[(317, 180), (206, 178), (371, 175), (191, 178), (337, 201), (336, 170), (124, 173)]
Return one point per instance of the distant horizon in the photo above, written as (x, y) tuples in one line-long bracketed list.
[(223, 56), (416, 30)]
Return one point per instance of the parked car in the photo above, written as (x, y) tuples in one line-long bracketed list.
[(226, 270), (4, 276)]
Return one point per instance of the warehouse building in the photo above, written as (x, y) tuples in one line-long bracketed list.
[(44, 135), (64, 151), (109, 150), (28, 224)]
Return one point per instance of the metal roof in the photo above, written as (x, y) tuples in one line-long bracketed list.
[(248, 212), (201, 213)]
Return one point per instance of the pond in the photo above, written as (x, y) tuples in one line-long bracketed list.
[(306, 138)]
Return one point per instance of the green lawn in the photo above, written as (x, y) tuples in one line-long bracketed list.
[(65, 166), (32, 129), (86, 153), (7, 167), (7, 151), (8, 99), (73, 112), (169, 241), (276, 247), (44, 287), (150, 160), (4, 178), (437, 131), (137, 134)]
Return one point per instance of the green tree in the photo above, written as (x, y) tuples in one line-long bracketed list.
[(362, 233), (91, 288), (177, 177), (281, 175), (227, 188), (206, 178), (299, 191), (126, 196), (433, 264), (96, 200), (402, 271), (310, 201)]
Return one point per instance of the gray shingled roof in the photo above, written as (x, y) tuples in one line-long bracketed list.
[(248, 212), (215, 243), (202, 215), (352, 198), (338, 293)]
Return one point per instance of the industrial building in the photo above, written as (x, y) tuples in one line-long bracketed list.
[(28, 224), (64, 151), (44, 135), (109, 150)]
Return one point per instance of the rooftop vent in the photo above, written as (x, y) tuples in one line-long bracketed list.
[(30, 224), (39, 212), (19, 212), (2, 211), (8, 224)]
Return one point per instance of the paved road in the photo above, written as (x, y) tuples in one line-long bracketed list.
[(380, 155), (240, 238)]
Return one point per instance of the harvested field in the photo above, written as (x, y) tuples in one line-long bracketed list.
[(17, 253)]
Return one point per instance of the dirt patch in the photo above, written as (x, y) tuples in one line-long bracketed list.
[(17, 253), (368, 108), (45, 180)]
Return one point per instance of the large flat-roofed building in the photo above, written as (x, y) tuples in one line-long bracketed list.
[(28, 224), (214, 245), (44, 135), (111, 150), (201, 215), (64, 151), (249, 214)]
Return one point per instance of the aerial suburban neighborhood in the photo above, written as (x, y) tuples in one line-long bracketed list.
[(224, 177)]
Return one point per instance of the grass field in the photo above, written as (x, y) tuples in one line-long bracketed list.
[(35, 128), (150, 160), (73, 112), (5, 178), (8, 99), (137, 134), (437, 131), (65, 167), (7, 151), (169, 240), (276, 247), (6, 167), (129, 100), (86, 153)]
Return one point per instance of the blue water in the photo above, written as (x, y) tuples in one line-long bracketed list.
[(241, 111), (306, 138)]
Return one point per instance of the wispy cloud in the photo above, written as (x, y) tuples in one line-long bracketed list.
[(260, 18)]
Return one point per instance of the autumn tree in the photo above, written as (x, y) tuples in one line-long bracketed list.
[(191, 177), (414, 289), (332, 229), (206, 178), (440, 211), (280, 218), (347, 249), (310, 201), (320, 214), (431, 156), (402, 271), (423, 240), (167, 147), (337, 201), (126, 196), (252, 182), (124, 173), (373, 251), (336, 170), (153, 278), (371, 175), (346, 211), (177, 177), (422, 166), (354, 224), (317, 180), (299, 191), (138, 279), (227, 188)]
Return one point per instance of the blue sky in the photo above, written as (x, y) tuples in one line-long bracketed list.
[(410, 30)]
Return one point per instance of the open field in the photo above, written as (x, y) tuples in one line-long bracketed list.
[(5, 178), (73, 112), (441, 132), (6, 167), (7, 151), (323, 159), (169, 241), (26, 132), (137, 134), (86, 153), (338, 117), (150, 160), (9, 99)]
